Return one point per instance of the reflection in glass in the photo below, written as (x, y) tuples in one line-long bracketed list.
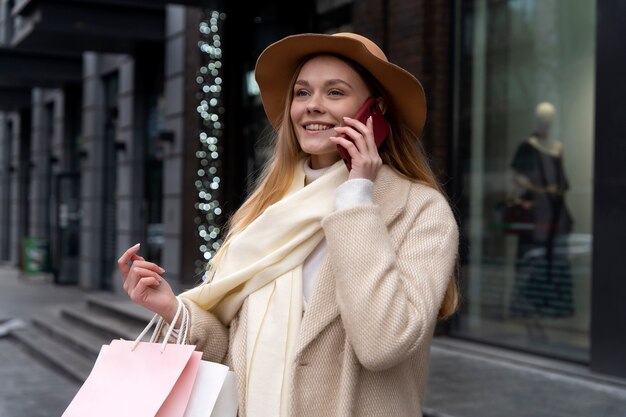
[(543, 280), (524, 106)]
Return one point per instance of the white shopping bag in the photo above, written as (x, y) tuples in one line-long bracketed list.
[(227, 402), (215, 389)]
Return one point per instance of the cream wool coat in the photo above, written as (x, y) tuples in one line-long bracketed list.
[(364, 341)]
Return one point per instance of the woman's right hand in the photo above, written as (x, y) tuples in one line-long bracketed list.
[(145, 285)]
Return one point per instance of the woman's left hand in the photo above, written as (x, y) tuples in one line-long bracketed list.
[(366, 161)]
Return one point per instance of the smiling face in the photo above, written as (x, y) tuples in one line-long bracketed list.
[(326, 90)]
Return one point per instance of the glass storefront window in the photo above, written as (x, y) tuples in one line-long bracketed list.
[(524, 107)]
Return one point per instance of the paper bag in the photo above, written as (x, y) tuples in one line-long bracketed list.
[(146, 381)]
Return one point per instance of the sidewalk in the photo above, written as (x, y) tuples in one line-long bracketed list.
[(23, 296), (29, 387), (472, 380), (466, 379)]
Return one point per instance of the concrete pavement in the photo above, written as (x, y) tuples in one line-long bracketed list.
[(469, 380), (24, 296), (466, 379), (29, 388)]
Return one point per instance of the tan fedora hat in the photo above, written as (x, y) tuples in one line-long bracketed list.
[(278, 62)]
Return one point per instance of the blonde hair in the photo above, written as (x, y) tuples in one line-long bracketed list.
[(402, 152)]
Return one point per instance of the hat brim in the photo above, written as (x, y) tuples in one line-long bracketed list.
[(278, 62)]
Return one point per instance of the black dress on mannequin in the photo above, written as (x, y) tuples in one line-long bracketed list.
[(543, 279)]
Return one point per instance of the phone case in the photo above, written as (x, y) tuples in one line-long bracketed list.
[(381, 128)]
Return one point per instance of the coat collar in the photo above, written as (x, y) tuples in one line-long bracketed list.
[(390, 195)]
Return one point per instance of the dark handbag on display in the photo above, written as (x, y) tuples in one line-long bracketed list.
[(515, 216)]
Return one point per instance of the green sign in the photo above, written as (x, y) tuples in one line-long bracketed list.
[(36, 255)]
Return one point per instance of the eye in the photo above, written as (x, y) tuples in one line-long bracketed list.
[(300, 93), (335, 93)]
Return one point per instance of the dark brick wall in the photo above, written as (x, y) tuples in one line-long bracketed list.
[(368, 18), (416, 34)]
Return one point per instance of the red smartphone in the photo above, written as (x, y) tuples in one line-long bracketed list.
[(381, 128)]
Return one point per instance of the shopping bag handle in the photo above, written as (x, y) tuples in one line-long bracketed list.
[(160, 322), (181, 333)]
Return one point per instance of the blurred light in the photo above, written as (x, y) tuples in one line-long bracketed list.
[(251, 85), (209, 109)]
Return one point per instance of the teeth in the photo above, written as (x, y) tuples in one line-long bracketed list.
[(317, 127)]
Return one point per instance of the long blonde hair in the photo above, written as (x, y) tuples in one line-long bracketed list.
[(402, 152)]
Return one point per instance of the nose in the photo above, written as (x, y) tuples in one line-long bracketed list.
[(313, 104)]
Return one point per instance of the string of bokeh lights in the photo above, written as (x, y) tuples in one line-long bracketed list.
[(211, 110)]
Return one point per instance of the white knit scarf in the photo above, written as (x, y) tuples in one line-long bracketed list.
[(264, 263)]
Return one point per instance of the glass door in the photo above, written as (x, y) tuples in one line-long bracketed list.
[(68, 227)]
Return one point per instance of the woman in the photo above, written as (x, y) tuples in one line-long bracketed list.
[(325, 294)]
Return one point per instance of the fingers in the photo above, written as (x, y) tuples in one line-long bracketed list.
[(141, 263), (361, 134), (145, 272), (143, 282), (347, 144), (123, 263), (140, 270), (361, 147), (140, 292), (130, 258)]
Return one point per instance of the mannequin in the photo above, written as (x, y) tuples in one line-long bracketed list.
[(543, 284), (543, 142), (544, 116)]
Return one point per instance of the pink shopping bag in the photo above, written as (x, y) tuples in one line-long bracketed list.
[(145, 381)]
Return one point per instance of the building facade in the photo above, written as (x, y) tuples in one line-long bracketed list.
[(122, 122)]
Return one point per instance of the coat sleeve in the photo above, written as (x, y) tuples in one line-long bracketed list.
[(390, 288), (207, 333)]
